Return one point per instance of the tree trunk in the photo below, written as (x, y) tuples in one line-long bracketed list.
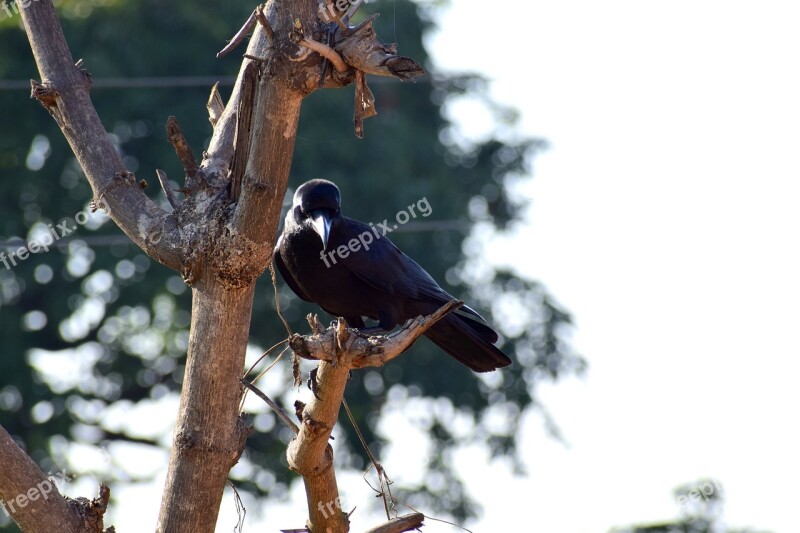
[(209, 436)]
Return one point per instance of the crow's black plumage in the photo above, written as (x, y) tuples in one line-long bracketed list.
[(352, 270)]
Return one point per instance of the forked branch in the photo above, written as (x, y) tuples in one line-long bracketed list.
[(365, 351), (64, 92), (339, 350)]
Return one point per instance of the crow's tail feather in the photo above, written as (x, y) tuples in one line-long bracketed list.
[(467, 344)]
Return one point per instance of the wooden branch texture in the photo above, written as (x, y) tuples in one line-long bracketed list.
[(64, 92), (310, 455), (400, 524), (254, 137), (209, 436), (33, 501), (339, 351), (365, 351)]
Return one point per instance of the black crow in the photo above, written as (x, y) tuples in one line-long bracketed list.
[(352, 270)]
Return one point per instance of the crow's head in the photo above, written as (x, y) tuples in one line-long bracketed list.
[(316, 204)]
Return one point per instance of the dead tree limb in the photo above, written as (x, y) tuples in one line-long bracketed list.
[(361, 49), (165, 186), (339, 350), (240, 35), (366, 351), (275, 407), (64, 92), (215, 105), (33, 501), (400, 524), (310, 455), (182, 148)]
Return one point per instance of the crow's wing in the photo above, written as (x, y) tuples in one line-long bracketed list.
[(385, 267), (287, 274)]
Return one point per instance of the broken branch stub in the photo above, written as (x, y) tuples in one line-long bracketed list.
[(358, 350), (354, 53), (364, 106), (400, 524), (362, 50), (181, 146), (215, 105)]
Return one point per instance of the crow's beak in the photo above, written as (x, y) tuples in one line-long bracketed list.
[(321, 222)]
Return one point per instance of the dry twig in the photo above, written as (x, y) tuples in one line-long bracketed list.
[(240, 35), (162, 179)]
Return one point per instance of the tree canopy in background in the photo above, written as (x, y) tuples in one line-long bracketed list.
[(701, 508), (94, 330)]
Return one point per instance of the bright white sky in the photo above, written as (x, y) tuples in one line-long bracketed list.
[(665, 219)]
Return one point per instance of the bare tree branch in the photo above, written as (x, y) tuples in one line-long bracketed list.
[(366, 351), (64, 92), (240, 35), (33, 501), (275, 407), (361, 49), (182, 148), (164, 181), (338, 350), (327, 52), (262, 19), (400, 524), (215, 105), (310, 455)]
